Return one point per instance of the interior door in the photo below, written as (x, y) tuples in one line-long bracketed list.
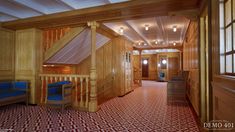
[(173, 66), (145, 68)]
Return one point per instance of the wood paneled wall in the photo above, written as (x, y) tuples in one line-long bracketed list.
[(50, 36), (190, 63), (110, 61), (223, 87), (7, 54), (58, 69), (28, 60), (154, 59)]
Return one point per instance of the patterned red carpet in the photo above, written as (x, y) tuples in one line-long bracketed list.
[(143, 110)]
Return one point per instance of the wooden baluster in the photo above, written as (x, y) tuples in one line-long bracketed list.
[(60, 78), (56, 35), (47, 40), (46, 90), (51, 41), (76, 93), (81, 92), (87, 92), (42, 88)]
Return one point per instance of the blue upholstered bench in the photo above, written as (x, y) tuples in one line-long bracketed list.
[(59, 93), (13, 92)]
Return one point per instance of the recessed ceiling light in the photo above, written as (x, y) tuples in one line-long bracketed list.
[(174, 28), (139, 43), (121, 30), (145, 44), (156, 42), (146, 27)]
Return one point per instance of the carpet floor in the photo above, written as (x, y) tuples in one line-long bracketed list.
[(143, 110)]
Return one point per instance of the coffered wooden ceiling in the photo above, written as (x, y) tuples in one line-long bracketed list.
[(21, 14), (159, 34), (19, 9)]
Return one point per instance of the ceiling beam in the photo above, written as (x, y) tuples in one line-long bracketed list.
[(21, 3), (141, 35), (155, 48), (104, 30), (6, 14), (9, 14), (111, 12), (64, 3)]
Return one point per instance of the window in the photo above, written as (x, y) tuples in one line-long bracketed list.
[(227, 37)]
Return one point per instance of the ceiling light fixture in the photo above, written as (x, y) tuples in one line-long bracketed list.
[(174, 28), (156, 42), (145, 44), (139, 43), (174, 43), (121, 30), (146, 27)]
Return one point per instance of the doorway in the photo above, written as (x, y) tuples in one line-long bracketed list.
[(145, 67)]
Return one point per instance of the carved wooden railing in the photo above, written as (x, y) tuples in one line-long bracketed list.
[(50, 36), (80, 92)]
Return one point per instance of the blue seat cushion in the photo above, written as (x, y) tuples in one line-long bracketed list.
[(5, 86), (55, 97), (21, 85), (58, 83), (54, 90), (11, 94)]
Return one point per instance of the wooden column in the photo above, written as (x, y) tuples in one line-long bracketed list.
[(93, 105), (140, 67)]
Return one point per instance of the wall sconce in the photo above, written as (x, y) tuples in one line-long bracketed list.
[(158, 65), (164, 61), (145, 62), (174, 44)]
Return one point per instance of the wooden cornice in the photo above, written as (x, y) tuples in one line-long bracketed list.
[(180, 48), (111, 12)]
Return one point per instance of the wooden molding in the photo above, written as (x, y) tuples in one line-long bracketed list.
[(111, 12), (168, 47), (62, 42)]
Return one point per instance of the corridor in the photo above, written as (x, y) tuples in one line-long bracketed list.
[(144, 109)]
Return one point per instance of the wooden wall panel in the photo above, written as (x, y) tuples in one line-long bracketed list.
[(224, 98), (191, 62), (110, 69), (104, 71), (28, 61), (7, 50)]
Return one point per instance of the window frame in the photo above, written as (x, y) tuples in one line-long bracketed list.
[(224, 28)]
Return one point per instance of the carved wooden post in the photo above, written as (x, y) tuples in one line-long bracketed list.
[(93, 107), (140, 67)]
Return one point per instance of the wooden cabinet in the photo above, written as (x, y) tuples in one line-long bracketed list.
[(122, 65), (28, 59)]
